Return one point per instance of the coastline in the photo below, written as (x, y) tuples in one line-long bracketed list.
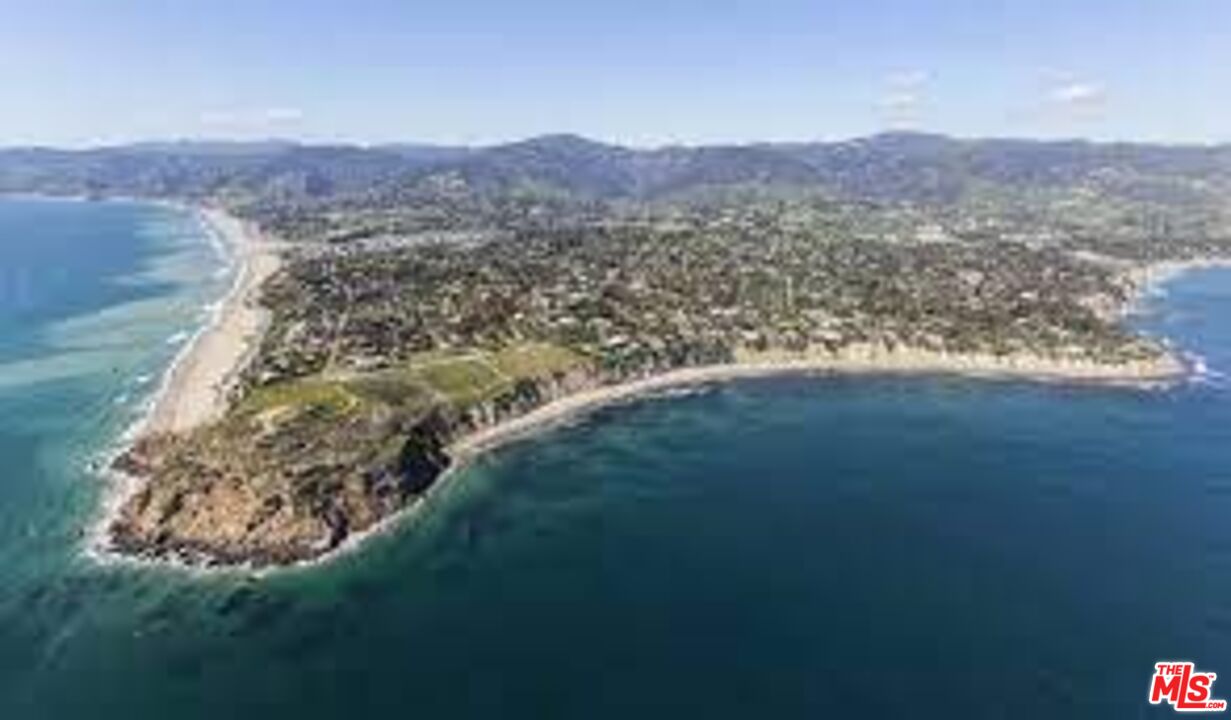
[(1144, 278), (858, 360), (861, 362), (851, 361), (194, 387)]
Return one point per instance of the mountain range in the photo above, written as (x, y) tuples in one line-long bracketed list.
[(892, 167)]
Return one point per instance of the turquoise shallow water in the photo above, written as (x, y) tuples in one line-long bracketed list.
[(871, 547)]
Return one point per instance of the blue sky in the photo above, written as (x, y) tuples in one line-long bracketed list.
[(644, 72)]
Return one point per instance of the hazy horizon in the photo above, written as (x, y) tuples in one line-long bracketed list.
[(238, 142)]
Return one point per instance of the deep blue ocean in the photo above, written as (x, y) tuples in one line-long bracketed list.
[(798, 548)]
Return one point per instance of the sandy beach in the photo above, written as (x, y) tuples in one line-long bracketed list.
[(1144, 277), (196, 387)]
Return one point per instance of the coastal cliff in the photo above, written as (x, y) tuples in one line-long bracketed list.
[(291, 477), (291, 483)]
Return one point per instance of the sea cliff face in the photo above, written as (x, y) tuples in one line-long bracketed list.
[(274, 488)]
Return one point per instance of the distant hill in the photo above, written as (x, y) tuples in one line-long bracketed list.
[(893, 167)]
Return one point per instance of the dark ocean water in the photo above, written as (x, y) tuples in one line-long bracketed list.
[(848, 547)]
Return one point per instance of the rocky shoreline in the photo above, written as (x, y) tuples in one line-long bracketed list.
[(196, 530)]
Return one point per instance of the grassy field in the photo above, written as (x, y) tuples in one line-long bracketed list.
[(462, 381), (458, 379), (334, 397), (535, 360)]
